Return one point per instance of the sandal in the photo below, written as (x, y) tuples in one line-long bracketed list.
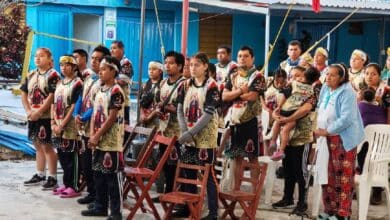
[(278, 155), (58, 190), (333, 217), (272, 148), (69, 193), (323, 216)]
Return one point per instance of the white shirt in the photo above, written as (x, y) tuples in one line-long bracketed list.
[(326, 114), (222, 71)]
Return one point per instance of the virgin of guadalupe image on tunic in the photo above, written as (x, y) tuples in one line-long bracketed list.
[(193, 113), (60, 107), (164, 116), (249, 147), (36, 97), (100, 117), (86, 103), (271, 102), (42, 132)]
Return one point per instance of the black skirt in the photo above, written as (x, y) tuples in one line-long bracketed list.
[(244, 140), (40, 131), (107, 161), (197, 156)]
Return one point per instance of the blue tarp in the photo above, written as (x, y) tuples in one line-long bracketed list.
[(16, 142)]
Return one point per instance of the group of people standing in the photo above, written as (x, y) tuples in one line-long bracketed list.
[(77, 116), (343, 101), (82, 113)]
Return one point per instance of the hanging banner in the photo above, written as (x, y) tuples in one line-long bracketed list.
[(109, 24)]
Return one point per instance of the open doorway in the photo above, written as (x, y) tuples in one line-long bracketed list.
[(89, 28)]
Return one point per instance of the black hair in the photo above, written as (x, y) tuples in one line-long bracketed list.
[(102, 49), (369, 94), (119, 43), (82, 53), (299, 68), (212, 70), (202, 57), (226, 47), (295, 43), (367, 60), (146, 92), (342, 71), (248, 48), (280, 73), (179, 58), (312, 75), (116, 62), (375, 66)]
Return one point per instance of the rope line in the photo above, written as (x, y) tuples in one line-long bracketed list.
[(159, 31), (272, 46), (27, 54), (68, 39), (331, 31)]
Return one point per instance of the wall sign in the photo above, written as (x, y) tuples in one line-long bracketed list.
[(109, 24)]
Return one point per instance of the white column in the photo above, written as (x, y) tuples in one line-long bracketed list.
[(328, 43), (266, 40)]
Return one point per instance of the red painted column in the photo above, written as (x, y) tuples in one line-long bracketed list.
[(184, 27)]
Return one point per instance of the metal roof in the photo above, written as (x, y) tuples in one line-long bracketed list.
[(367, 6), (329, 8), (233, 5)]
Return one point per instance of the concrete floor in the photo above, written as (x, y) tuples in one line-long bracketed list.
[(20, 202)]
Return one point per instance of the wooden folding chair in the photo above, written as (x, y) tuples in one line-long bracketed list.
[(193, 201), (135, 176), (248, 200), (134, 132)]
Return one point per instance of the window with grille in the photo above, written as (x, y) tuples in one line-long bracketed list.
[(214, 31)]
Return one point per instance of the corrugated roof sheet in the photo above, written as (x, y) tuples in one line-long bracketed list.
[(364, 4)]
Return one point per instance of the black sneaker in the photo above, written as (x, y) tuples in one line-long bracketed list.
[(87, 199), (115, 217), (182, 213), (179, 207), (283, 204), (156, 200), (94, 212), (279, 173), (35, 180), (300, 209), (91, 205), (376, 196), (50, 184), (210, 217)]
